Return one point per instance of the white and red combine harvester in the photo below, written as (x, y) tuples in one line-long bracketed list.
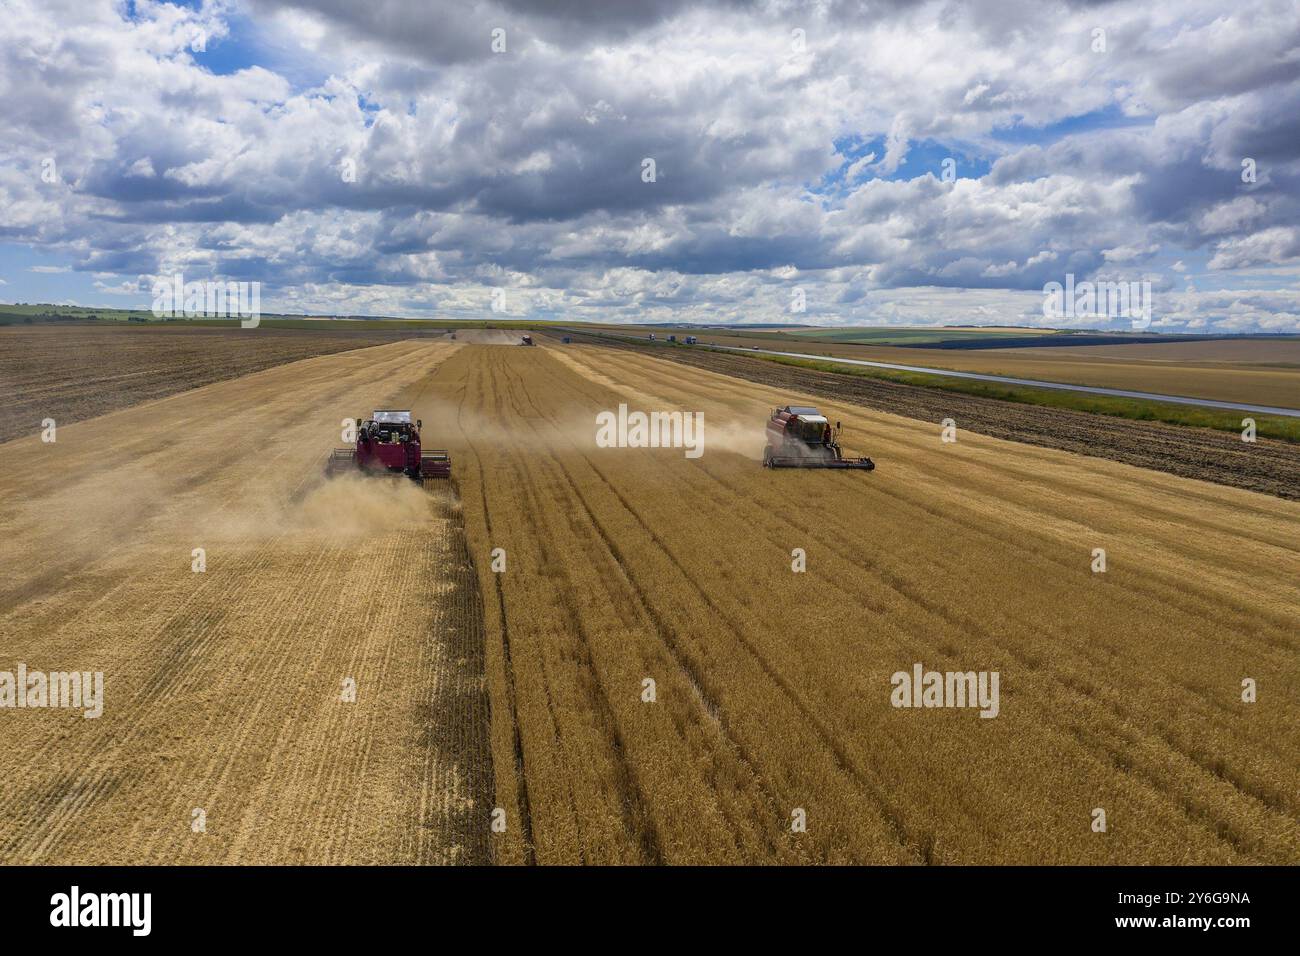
[(799, 436), (388, 443)]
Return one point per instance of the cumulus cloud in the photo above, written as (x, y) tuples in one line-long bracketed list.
[(1269, 246), (398, 156)]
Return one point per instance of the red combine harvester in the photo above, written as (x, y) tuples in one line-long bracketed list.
[(798, 436), (389, 444)]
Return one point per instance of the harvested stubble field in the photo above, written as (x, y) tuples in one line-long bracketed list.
[(223, 690), (1118, 690), (76, 372)]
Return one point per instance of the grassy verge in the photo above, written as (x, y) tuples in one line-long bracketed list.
[(1266, 426)]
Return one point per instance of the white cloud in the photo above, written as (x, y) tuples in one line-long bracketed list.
[(1131, 253), (1276, 245), (1231, 216)]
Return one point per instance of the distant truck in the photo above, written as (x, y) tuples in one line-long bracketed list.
[(691, 340), (652, 336), (672, 338)]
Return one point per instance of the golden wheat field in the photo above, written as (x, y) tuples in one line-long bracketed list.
[(1121, 690), (638, 674), (225, 736)]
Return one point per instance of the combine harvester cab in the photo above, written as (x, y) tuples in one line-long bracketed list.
[(799, 436), (388, 444)]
